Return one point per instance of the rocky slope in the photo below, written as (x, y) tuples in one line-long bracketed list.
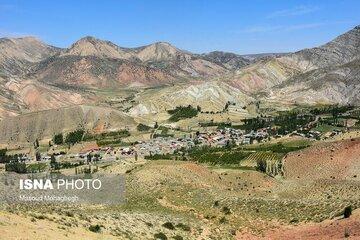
[(98, 72), (342, 49), (21, 96), (20, 93), (273, 71), (91, 62), (335, 160), (27, 127), (258, 56), (211, 96), (90, 46), (35, 76), (230, 61), (329, 74), (16, 54), (330, 85), (181, 63), (263, 74)]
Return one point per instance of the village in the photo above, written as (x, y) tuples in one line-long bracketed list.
[(168, 145), (164, 141)]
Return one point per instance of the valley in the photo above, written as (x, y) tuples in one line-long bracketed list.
[(211, 146)]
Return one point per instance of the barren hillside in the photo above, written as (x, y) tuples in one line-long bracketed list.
[(17, 54), (337, 160), (44, 124), (336, 57)]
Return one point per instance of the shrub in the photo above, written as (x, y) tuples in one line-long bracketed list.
[(223, 220), (183, 227), (142, 127), (69, 214), (107, 138), (149, 224), (95, 228), (347, 233), (160, 236), (168, 225), (347, 212), (261, 165), (226, 210), (41, 217), (3, 155)]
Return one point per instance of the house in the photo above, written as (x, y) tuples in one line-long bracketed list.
[(246, 140), (45, 158)]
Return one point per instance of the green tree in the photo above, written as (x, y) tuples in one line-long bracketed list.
[(18, 167), (142, 127), (38, 156), (74, 137), (36, 143), (261, 165), (96, 157), (136, 156), (88, 158), (58, 139), (181, 112), (3, 157), (53, 164)]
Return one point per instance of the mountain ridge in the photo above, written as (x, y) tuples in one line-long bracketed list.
[(269, 72), (329, 71)]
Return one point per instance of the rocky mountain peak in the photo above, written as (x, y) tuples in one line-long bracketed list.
[(17, 53), (163, 44), (91, 46), (340, 50), (23, 42), (159, 51)]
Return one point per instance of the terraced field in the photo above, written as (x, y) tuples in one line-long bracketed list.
[(253, 158)]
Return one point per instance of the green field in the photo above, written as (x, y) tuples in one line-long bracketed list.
[(323, 128), (280, 147)]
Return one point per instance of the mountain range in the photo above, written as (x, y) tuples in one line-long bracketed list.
[(35, 76)]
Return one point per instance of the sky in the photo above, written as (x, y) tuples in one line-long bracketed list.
[(199, 26)]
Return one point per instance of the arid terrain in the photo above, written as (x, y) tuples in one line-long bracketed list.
[(211, 146), (196, 201)]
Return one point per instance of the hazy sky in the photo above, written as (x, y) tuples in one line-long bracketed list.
[(198, 26)]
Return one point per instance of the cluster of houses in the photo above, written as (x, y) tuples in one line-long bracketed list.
[(223, 137), (309, 134), (168, 145), (163, 145), (159, 145)]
